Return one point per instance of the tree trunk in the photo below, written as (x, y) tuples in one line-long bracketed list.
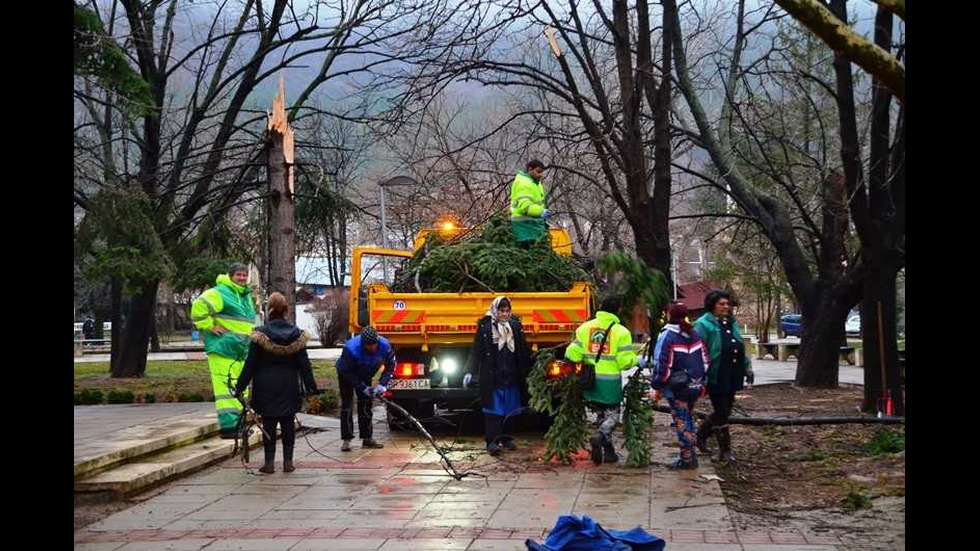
[(282, 205), (154, 333), (139, 324), (171, 315), (116, 320), (662, 158), (764, 325), (819, 359), (879, 288), (779, 314), (341, 259), (882, 259), (649, 250)]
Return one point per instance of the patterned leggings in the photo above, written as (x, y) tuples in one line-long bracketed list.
[(682, 412)]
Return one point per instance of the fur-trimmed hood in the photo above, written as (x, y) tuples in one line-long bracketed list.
[(280, 337)]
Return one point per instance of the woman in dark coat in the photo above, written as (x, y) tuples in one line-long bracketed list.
[(500, 359), (279, 370), (730, 367)]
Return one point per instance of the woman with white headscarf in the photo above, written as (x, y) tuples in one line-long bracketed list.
[(499, 362)]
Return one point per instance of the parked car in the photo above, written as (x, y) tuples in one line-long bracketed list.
[(791, 324), (853, 326)]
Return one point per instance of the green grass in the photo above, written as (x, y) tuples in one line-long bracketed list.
[(169, 380), (154, 370)]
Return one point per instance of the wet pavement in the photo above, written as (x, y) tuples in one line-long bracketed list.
[(400, 498)]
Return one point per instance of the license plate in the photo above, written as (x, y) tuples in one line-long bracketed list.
[(409, 384)]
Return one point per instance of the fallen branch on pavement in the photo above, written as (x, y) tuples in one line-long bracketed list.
[(787, 421)]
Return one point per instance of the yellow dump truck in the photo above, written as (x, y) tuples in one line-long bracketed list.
[(432, 332)]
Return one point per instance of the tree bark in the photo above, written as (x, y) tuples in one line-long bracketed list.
[(132, 357), (282, 205), (116, 321)]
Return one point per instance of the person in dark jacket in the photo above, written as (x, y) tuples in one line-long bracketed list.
[(360, 360), (280, 372), (88, 328), (730, 366), (681, 359), (500, 359)]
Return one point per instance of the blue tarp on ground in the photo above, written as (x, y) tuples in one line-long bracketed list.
[(572, 533)]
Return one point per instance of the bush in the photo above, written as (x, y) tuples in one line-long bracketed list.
[(191, 397), (121, 397), (885, 442), (326, 401), (149, 398), (330, 399), (90, 397), (854, 501), (331, 326)]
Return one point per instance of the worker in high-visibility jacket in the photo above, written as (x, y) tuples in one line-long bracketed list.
[(618, 355), (225, 314), (528, 211)]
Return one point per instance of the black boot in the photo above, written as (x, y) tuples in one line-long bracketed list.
[(493, 427), (609, 452), (725, 454), (597, 442), (680, 464), (270, 462), (704, 431), (287, 460)]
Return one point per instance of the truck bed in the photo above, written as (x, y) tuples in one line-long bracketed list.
[(425, 319)]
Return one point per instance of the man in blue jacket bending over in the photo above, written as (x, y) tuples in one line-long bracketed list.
[(360, 360)]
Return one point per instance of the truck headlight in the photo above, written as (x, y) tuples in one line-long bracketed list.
[(449, 366)]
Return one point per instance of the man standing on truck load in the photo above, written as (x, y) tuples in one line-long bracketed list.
[(360, 360), (604, 343), (527, 209)]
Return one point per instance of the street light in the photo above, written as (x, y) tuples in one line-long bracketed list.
[(395, 181)]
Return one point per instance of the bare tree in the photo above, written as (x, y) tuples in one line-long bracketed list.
[(195, 154), (805, 200), (335, 152), (594, 85)]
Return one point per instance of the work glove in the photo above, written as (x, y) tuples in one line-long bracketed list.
[(380, 390), (467, 379), (368, 391), (545, 214)]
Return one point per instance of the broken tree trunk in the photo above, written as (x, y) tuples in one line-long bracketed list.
[(282, 203)]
